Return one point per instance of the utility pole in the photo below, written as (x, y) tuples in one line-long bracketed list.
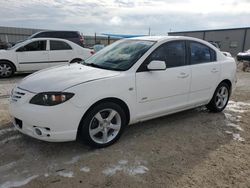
[(95, 38), (149, 31)]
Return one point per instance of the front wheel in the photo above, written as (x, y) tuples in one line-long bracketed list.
[(220, 98), (103, 125), (6, 70)]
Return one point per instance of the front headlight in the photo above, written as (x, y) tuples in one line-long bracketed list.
[(51, 98)]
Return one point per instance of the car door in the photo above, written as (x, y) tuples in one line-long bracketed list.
[(205, 73), (160, 92), (60, 53), (33, 56)]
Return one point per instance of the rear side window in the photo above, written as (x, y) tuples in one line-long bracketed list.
[(40, 35), (59, 45), (49, 34), (200, 53), (35, 46), (70, 34), (173, 53), (57, 34)]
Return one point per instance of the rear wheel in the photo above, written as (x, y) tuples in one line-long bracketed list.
[(103, 125), (220, 98), (6, 70)]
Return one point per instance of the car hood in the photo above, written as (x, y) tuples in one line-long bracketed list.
[(3, 51), (63, 77)]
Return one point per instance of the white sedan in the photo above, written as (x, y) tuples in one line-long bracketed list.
[(130, 81), (39, 53)]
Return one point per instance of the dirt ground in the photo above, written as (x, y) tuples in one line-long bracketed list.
[(194, 148)]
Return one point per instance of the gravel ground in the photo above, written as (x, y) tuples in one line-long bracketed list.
[(194, 148)]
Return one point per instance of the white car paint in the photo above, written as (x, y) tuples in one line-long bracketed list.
[(147, 94), (29, 61)]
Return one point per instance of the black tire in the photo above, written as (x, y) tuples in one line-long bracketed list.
[(75, 61), (212, 105), (89, 120), (6, 69)]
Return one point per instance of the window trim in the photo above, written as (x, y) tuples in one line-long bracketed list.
[(71, 48), (212, 59), (143, 68)]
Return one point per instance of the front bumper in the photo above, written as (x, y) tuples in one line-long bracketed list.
[(56, 123)]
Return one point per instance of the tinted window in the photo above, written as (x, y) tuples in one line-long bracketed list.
[(173, 53), (57, 34), (62, 34), (39, 35), (52, 34), (70, 35), (201, 53), (35, 46), (48, 34), (59, 45)]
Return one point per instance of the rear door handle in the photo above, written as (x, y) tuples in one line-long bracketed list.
[(183, 75), (214, 70)]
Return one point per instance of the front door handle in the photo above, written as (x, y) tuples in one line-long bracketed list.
[(183, 75)]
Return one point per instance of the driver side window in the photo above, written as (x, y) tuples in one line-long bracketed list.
[(172, 53), (34, 46)]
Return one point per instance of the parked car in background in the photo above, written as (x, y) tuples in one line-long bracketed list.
[(73, 36), (244, 56), (39, 53), (129, 81)]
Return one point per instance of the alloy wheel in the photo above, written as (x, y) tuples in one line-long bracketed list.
[(221, 97), (105, 126)]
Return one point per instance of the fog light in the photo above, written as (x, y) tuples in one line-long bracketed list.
[(38, 131)]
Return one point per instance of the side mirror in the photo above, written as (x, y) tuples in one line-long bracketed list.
[(156, 65)]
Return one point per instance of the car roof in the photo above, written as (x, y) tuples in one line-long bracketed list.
[(161, 38), (49, 31), (170, 38), (43, 38)]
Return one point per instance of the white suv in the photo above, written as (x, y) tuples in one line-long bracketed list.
[(39, 53), (129, 81)]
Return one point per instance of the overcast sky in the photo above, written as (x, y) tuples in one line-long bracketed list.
[(125, 16)]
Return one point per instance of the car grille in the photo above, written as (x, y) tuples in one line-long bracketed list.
[(17, 94)]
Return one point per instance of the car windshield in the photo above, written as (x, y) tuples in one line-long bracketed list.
[(120, 55)]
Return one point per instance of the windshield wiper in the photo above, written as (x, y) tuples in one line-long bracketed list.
[(93, 65), (101, 67)]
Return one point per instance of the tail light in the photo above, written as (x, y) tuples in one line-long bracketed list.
[(92, 52)]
